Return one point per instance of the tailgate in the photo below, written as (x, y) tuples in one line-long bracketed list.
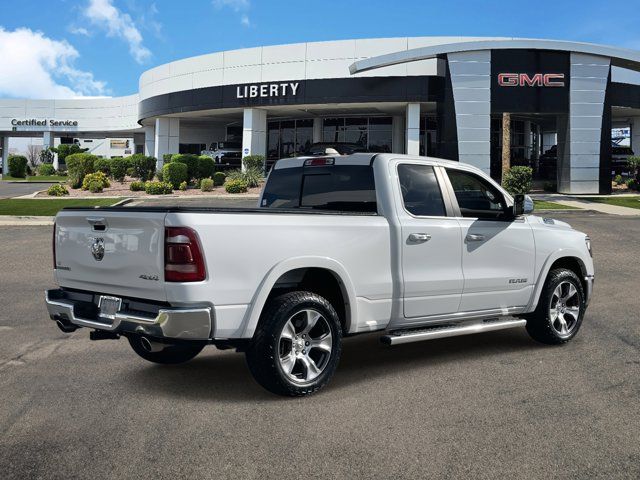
[(119, 253)]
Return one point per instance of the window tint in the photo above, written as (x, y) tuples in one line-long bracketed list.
[(337, 187), (420, 191), (476, 197)]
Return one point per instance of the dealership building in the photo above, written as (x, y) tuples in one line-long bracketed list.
[(436, 96)]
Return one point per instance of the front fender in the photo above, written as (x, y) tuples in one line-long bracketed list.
[(252, 316), (546, 267)]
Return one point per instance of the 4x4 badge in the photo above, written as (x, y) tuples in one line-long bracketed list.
[(97, 248)]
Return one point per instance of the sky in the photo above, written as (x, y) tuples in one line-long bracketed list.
[(73, 48)]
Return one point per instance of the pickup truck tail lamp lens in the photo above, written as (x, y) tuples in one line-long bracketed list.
[(319, 162), (183, 260), (53, 245)]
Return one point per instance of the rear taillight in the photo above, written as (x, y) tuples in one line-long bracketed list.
[(53, 245), (183, 260)]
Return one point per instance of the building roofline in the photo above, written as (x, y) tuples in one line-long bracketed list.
[(620, 57)]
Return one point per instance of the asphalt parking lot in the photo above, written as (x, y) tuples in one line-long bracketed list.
[(495, 405)]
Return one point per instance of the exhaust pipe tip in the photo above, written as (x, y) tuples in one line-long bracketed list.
[(66, 327), (151, 346)]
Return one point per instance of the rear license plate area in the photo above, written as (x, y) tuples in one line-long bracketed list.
[(108, 307)]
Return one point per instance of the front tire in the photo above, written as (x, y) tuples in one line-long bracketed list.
[(171, 355), (296, 347), (560, 309)]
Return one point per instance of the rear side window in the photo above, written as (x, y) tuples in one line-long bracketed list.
[(421, 194), (342, 188)]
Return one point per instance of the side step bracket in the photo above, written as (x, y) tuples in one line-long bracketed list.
[(398, 337)]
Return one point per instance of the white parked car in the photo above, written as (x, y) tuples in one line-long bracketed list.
[(415, 248)]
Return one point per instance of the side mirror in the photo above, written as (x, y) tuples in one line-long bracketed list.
[(522, 205)]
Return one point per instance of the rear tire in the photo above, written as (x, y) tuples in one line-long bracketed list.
[(171, 355), (296, 347), (560, 309)]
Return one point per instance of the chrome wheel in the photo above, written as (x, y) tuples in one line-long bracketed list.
[(305, 346), (564, 308)]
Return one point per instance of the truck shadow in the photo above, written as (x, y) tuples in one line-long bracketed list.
[(224, 376)]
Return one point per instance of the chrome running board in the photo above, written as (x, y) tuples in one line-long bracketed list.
[(417, 335)]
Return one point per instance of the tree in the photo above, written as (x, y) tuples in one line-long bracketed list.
[(66, 149), (506, 143), (33, 154)]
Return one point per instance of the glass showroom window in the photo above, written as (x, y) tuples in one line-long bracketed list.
[(373, 133), (288, 138)]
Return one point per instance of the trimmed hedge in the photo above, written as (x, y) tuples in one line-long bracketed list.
[(79, 165), (254, 161), (119, 168), (17, 166), (98, 178), (175, 173), (57, 190), (158, 188), (144, 167), (191, 161), (46, 169), (206, 184), (206, 166), (102, 165), (136, 186), (183, 186), (236, 186), (518, 180), (219, 178)]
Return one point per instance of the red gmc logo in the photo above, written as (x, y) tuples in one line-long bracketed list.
[(536, 80)]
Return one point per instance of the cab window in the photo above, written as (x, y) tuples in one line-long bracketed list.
[(476, 197), (420, 191)]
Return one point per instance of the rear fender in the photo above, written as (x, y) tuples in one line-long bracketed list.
[(252, 315)]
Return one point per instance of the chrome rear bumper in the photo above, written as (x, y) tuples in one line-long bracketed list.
[(176, 323)]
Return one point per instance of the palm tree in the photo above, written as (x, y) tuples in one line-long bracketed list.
[(506, 143)]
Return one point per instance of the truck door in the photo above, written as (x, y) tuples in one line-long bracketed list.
[(498, 251), (431, 244)]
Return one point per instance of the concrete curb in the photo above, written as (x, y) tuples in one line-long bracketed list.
[(20, 221)]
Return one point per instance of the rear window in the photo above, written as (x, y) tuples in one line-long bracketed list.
[(343, 188)]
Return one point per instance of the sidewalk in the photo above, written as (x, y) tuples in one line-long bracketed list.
[(578, 202)]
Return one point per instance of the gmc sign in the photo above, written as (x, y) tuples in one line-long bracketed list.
[(535, 80)]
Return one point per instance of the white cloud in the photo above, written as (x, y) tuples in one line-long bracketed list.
[(104, 15), (79, 31), (238, 6), (36, 66)]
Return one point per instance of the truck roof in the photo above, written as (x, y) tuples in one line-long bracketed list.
[(367, 158)]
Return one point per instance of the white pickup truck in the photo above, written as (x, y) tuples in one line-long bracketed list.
[(416, 248)]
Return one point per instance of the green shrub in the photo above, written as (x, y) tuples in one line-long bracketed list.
[(253, 161), (158, 188), (46, 169), (98, 177), (206, 184), (219, 178), (236, 186), (191, 161), (175, 173), (632, 183), (136, 186), (119, 169), (143, 167), (29, 170), (130, 171), (102, 165), (634, 166), (95, 186), (166, 158), (17, 166), (253, 177), (183, 186), (618, 180), (234, 175), (79, 165), (159, 175), (57, 190), (66, 149), (518, 180), (206, 166)]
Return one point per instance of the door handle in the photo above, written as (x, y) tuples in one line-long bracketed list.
[(474, 237), (419, 237)]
